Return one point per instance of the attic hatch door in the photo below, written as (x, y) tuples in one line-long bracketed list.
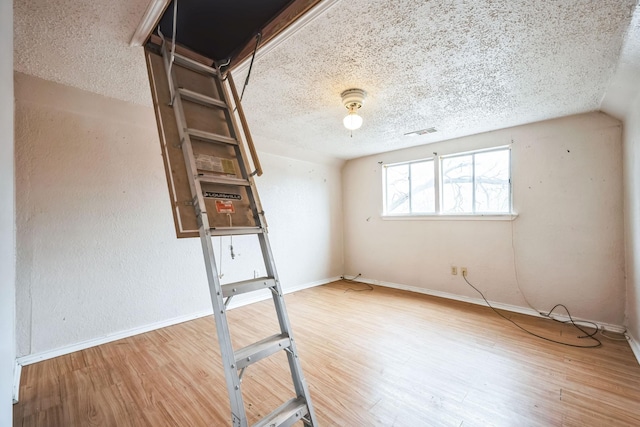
[(208, 112)]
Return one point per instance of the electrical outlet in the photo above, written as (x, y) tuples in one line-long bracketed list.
[(454, 270), (464, 271)]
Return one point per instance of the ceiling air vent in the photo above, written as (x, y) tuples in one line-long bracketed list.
[(421, 132)]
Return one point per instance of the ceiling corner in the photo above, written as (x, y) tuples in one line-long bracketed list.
[(624, 86)]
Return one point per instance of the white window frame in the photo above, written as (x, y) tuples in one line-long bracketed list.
[(384, 186), (438, 185)]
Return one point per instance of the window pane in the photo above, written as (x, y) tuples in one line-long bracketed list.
[(457, 184), (398, 189), (423, 196), (473, 183), (492, 181)]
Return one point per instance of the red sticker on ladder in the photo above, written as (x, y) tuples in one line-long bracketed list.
[(225, 207)]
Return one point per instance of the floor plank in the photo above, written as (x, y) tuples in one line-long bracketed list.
[(382, 357)]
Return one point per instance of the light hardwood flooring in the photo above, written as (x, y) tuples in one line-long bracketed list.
[(374, 358)]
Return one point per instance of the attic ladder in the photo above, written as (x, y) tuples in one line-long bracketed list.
[(225, 189)]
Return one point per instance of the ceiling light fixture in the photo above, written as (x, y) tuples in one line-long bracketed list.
[(353, 100)]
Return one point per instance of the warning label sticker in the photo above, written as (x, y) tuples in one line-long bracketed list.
[(225, 207), (216, 195), (209, 163)]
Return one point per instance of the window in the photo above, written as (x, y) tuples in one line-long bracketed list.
[(410, 188), (477, 182)]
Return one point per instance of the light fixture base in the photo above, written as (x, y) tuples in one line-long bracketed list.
[(353, 98)]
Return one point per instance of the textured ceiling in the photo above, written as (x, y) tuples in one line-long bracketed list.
[(624, 87), (464, 67), (84, 44)]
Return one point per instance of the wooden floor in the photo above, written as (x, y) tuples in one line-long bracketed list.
[(374, 358)]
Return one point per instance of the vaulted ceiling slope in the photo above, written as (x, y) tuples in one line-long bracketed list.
[(463, 67), (625, 84)]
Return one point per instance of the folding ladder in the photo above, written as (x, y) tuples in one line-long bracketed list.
[(224, 202)]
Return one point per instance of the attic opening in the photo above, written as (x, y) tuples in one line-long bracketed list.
[(222, 30)]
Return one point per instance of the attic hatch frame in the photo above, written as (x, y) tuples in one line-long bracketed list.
[(293, 16)]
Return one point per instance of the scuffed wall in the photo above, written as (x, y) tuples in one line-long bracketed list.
[(97, 252), (567, 243)]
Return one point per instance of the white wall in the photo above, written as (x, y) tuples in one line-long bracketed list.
[(568, 238), (97, 252), (632, 220), (7, 215), (303, 205)]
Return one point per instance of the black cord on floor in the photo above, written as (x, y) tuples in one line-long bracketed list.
[(587, 334), (591, 324), (368, 288)]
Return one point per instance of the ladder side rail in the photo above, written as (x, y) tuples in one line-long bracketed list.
[(233, 380), (215, 290), (256, 205), (295, 366), (297, 375), (245, 127)]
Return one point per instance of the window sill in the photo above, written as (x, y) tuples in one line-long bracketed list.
[(447, 217)]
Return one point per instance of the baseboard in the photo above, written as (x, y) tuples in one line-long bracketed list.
[(478, 301), (304, 286), (60, 351), (635, 345), (238, 302), (17, 371), (254, 297)]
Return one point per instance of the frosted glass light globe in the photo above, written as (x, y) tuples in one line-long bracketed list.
[(352, 121)]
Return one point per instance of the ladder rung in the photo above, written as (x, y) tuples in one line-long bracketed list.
[(286, 415), (211, 137), (234, 231), (212, 179), (245, 286), (195, 65), (200, 98), (261, 349)]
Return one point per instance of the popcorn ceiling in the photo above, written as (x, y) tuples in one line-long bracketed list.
[(463, 67), (84, 44)]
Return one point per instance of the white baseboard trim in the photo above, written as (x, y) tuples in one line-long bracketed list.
[(60, 351), (498, 305), (304, 286), (635, 345), (266, 294), (17, 371), (239, 302)]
